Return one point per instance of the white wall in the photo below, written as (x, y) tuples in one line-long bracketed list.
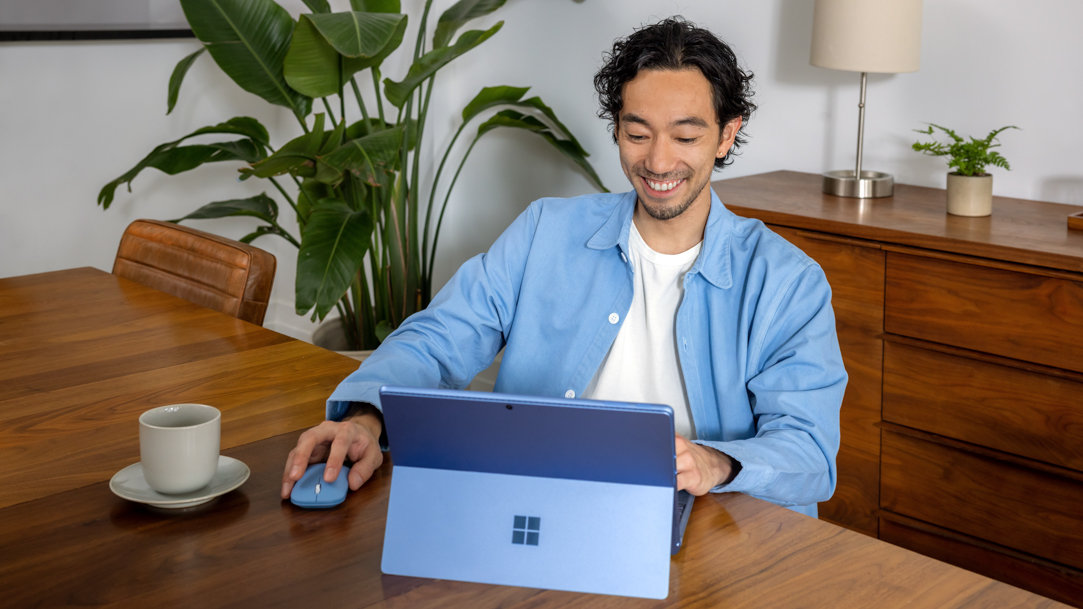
[(74, 115)]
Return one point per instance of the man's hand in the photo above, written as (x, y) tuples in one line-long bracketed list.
[(700, 468), (356, 438)]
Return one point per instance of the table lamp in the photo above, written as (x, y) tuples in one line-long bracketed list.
[(865, 36)]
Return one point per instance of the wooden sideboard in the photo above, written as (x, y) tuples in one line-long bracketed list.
[(962, 425)]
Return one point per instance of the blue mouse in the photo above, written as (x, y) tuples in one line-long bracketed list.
[(312, 492)]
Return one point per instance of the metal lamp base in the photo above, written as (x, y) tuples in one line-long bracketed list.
[(871, 185)]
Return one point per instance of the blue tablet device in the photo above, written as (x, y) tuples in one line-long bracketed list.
[(551, 493)]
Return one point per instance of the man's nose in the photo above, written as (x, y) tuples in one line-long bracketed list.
[(661, 157)]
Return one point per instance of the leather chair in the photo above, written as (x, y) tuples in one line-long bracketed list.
[(208, 270)]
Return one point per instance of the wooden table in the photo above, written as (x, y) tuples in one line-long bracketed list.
[(82, 353)]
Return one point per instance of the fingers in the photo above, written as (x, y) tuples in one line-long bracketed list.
[(364, 467), (687, 473), (700, 468), (688, 476), (312, 447), (346, 436), (334, 442)]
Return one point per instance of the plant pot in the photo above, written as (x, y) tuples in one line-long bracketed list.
[(331, 335), (970, 195)]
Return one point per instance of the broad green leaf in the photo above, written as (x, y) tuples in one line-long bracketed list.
[(365, 127), (318, 6), (172, 158), (430, 63), (353, 65), (333, 246), (259, 232), (183, 158), (310, 194), (324, 172), (248, 39), (374, 125), (377, 6), (238, 125), (569, 148), (563, 140), (537, 103), (311, 65), (369, 155), (297, 156), (572, 151), (459, 15), (490, 97), (241, 150), (175, 79), (357, 34), (260, 206), (383, 330), (315, 65)]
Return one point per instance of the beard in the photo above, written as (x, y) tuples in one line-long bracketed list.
[(673, 209)]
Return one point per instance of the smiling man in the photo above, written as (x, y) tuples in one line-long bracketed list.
[(656, 295)]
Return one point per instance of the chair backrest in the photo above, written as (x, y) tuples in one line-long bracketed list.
[(208, 270)]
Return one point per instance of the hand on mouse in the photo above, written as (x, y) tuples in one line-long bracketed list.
[(356, 438)]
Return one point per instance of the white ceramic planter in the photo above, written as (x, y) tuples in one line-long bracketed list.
[(970, 195)]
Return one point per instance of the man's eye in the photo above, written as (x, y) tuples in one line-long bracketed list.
[(687, 140), (636, 138)]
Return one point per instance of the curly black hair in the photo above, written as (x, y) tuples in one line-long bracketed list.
[(675, 44)]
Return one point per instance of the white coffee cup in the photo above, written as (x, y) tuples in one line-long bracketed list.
[(178, 446)]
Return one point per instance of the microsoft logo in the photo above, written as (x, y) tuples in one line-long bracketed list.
[(525, 530)]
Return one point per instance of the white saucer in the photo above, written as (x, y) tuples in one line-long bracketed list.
[(130, 484)]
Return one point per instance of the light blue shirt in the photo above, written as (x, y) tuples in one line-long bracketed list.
[(755, 332)]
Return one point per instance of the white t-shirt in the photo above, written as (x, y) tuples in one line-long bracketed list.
[(642, 364)]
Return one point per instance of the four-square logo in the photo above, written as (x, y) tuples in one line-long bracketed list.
[(526, 530)]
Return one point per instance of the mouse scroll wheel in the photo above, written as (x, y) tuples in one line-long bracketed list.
[(317, 488)]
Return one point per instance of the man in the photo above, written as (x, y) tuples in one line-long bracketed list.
[(655, 295)]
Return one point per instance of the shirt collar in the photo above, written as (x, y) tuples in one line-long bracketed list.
[(614, 231), (713, 262)]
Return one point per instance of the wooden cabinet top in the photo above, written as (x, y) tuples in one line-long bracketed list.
[(1026, 232)]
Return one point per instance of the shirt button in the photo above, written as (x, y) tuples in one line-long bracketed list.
[(623, 257), (614, 318), (569, 393)]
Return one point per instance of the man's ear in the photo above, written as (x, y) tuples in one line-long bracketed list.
[(729, 134)]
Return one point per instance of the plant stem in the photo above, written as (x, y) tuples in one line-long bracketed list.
[(360, 100), (426, 267), (330, 114), (440, 220), (419, 45), (379, 97)]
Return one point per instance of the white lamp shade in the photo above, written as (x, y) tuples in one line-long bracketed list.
[(867, 35)]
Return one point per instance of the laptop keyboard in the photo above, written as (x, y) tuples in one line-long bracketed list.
[(683, 499)]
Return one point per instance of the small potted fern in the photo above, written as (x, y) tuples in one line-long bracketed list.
[(970, 187)]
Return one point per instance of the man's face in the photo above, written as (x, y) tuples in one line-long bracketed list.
[(669, 137)]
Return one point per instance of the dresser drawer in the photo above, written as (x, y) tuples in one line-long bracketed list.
[(1022, 509), (1015, 314), (855, 270), (1014, 410)]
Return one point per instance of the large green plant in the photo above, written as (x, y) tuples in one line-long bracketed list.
[(967, 156), (352, 173)]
